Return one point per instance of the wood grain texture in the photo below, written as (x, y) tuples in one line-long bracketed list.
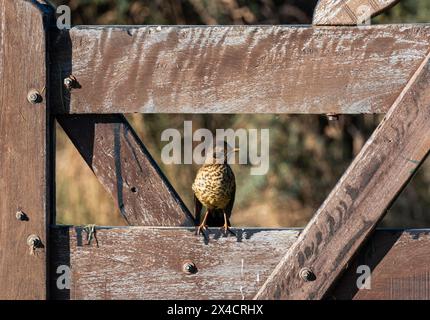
[(146, 263), (360, 199), (400, 268), (236, 69), (349, 12), (24, 175), (127, 171)]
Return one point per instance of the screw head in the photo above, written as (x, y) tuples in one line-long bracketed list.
[(21, 216), (34, 97), (307, 274), (189, 267)]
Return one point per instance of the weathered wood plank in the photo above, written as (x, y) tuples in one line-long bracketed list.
[(146, 263), (24, 175), (349, 12), (400, 268), (380, 171), (127, 171), (236, 69)]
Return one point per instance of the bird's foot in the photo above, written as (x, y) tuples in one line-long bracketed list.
[(226, 228), (201, 228), (90, 230)]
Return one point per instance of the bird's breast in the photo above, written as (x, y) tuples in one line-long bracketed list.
[(214, 185)]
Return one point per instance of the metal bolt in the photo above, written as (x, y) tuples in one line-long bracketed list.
[(307, 274), (332, 116), (33, 241), (70, 82), (21, 216), (189, 267), (34, 96)]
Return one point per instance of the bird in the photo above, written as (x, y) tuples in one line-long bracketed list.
[(215, 187)]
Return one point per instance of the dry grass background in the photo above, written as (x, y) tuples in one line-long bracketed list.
[(307, 153)]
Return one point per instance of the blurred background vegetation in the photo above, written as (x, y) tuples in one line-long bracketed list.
[(308, 154)]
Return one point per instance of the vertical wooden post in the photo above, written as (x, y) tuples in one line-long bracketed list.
[(24, 149)]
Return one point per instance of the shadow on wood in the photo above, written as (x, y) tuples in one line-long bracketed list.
[(147, 263), (125, 168)]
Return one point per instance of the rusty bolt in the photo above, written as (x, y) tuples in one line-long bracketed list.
[(34, 96), (21, 216), (189, 267), (307, 274), (332, 116)]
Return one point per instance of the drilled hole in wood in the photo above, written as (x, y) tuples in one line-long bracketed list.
[(133, 189)]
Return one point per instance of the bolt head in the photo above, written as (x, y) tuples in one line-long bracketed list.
[(34, 97), (189, 267), (332, 116), (307, 274), (70, 82), (21, 216), (33, 240)]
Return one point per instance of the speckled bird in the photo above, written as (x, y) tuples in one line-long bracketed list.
[(215, 187)]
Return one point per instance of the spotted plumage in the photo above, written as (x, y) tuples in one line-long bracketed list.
[(214, 187)]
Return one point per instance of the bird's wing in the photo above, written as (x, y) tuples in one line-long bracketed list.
[(197, 210)]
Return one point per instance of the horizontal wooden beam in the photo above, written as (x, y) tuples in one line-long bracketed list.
[(349, 12), (235, 69), (124, 167), (146, 263), (362, 196)]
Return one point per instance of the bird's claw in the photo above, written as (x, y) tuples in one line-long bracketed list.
[(90, 229), (200, 229), (225, 229)]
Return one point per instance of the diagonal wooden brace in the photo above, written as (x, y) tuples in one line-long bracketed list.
[(125, 168), (360, 199), (348, 12)]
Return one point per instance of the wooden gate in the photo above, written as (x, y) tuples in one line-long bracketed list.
[(86, 77)]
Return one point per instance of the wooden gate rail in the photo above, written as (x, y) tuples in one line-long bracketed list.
[(231, 69), (236, 69), (146, 263)]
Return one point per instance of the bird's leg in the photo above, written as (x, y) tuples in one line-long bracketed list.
[(203, 225), (226, 226)]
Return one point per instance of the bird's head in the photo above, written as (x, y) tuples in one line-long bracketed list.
[(220, 153)]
